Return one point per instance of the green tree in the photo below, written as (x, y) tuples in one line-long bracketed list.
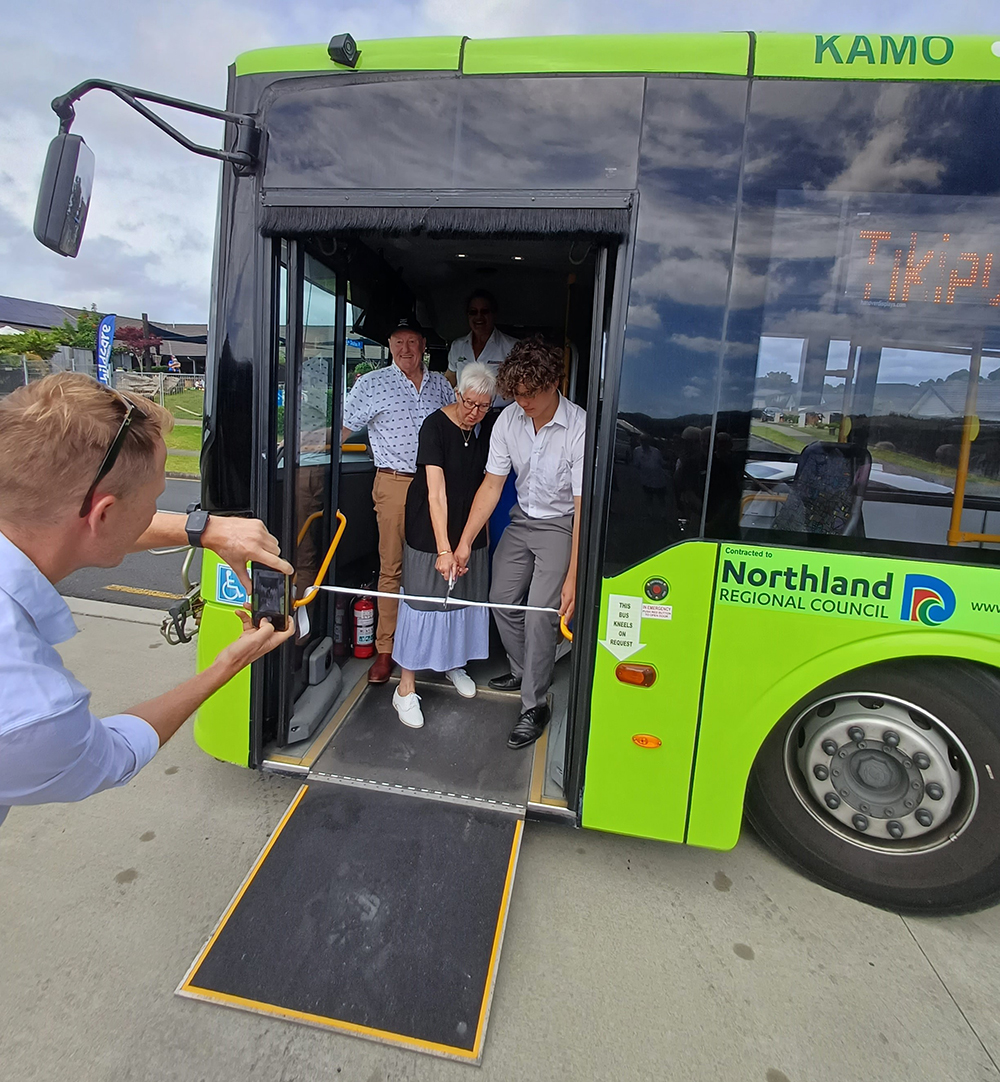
[(82, 334), (40, 343)]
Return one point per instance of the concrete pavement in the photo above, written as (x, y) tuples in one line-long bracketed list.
[(623, 959)]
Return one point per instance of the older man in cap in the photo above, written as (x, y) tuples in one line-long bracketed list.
[(393, 403)]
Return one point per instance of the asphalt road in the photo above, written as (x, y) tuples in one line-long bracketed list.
[(141, 579), (622, 959)]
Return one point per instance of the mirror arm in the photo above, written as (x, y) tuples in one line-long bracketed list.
[(244, 158)]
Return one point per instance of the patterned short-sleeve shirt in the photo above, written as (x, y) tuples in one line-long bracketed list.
[(393, 409)]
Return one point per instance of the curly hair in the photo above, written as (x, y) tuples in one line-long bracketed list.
[(533, 364)]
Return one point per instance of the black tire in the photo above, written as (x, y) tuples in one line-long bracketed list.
[(954, 874)]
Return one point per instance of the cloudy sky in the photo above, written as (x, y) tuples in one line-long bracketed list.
[(148, 243)]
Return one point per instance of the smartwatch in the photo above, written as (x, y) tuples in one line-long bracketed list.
[(197, 521)]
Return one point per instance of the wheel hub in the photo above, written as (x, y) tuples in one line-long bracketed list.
[(880, 768)]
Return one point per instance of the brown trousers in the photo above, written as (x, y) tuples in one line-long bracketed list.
[(389, 496)]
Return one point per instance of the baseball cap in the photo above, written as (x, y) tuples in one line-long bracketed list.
[(408, 323)]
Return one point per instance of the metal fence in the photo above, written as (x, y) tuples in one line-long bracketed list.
[(156, 385), (18, 371)]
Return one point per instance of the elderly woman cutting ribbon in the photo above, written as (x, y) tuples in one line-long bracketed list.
[(451, 460)]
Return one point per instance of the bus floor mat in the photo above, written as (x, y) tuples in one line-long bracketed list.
[(372, 914), (460, 753)]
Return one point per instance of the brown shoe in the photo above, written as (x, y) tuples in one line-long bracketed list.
[(381, 670)]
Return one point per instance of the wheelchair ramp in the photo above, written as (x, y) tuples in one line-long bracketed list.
[(372, 912)]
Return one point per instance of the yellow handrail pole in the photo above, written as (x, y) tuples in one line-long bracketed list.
[(564, 628), (324, 567), (847, 405), (305, 525), (971, 421)]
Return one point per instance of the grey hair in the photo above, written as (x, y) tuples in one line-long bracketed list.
[(477, 378)]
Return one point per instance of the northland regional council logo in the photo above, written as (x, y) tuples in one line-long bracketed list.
[(927, 600)]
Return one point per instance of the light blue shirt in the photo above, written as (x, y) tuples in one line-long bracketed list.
[(52, 748), (393, 409)]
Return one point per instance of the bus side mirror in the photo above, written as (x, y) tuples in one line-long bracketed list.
[(64, 194)]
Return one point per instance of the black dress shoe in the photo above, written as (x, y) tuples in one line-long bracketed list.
[(530, 726), (507, 682)]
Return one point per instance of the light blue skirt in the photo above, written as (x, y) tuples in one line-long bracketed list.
[(440, 640)]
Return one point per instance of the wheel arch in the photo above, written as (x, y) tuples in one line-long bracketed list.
[(726, 749)]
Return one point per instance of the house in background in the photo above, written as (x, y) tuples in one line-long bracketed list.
[(20, 315), (183, 342)]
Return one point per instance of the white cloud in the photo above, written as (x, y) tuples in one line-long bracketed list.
[(148, 245)]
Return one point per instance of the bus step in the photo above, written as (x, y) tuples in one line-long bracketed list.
[(460, 755)]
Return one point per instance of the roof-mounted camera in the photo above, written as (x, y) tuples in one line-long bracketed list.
[(343, 49)]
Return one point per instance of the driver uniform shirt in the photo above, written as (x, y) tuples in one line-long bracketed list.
[(53, 749), (493, 354)]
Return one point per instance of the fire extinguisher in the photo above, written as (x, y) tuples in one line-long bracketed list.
[(340, 628), (364, 627)]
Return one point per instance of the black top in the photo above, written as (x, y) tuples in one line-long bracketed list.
[(442, 443)]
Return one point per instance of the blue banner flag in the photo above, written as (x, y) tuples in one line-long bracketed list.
[(105, 338)]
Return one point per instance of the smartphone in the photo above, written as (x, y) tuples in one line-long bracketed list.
[(270, 596)]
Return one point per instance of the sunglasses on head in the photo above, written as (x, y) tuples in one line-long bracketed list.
[(111, 457)]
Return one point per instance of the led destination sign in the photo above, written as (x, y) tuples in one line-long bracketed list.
[(861, 252), (936, 252), (894, 263)]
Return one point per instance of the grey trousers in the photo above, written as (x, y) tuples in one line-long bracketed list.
[(529, 568)]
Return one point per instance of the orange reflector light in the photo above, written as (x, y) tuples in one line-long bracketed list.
[(642, 676), (644, 740)]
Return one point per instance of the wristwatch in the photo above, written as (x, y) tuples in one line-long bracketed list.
[(197, 521)]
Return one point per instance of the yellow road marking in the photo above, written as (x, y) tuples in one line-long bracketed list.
[(145, 593)]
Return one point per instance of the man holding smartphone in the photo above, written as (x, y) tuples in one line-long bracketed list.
[(81, 468)]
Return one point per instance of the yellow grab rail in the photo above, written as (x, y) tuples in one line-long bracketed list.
[(305, 525), (564, 628), (325, 565)]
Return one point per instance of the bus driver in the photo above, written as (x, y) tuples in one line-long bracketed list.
[(485, 342), (541, 436)]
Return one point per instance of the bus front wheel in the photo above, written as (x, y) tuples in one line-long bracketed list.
[(884, 784)]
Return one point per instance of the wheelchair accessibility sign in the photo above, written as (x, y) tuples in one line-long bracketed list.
[(228, 588)]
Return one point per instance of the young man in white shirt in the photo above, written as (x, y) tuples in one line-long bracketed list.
[(485, 342), (394, 402), (541, 436), (81, 468)]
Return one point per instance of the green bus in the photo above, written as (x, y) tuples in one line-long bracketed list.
[(774, 263)]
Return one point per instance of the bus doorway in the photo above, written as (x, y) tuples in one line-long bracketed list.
[(385, 888), (318, 715)]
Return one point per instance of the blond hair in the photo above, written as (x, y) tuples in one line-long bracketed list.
[(54, 435)]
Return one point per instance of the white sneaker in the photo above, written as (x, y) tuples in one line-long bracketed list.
[(408, 709), (464, 684)]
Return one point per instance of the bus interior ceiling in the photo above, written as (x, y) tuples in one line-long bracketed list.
[(542, 285)]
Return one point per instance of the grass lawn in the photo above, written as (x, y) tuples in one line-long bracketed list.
[(185, 438), (791, 437), (186, 464), (186, 405)]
